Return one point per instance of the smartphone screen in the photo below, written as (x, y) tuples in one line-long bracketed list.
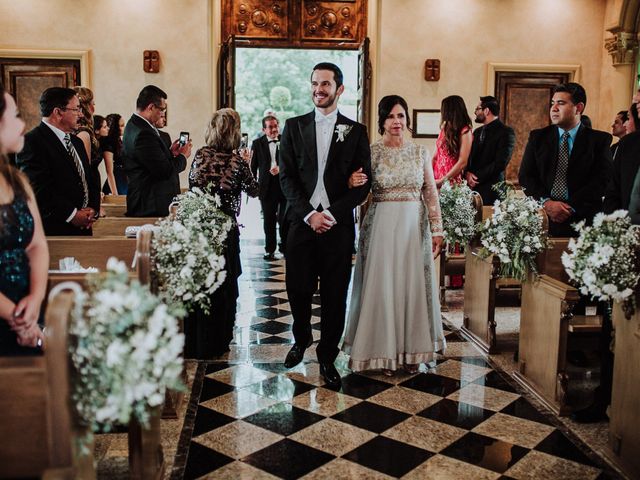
[(184, 138), (244, 140)]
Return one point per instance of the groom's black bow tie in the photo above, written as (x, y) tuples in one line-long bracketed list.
[(273, 141)]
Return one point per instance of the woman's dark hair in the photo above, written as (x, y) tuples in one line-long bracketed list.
[(384, 109), (98, 120), (14, 178), (454, 118), (113, 122)]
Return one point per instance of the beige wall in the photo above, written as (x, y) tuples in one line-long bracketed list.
[(116, 32), (467, 34)]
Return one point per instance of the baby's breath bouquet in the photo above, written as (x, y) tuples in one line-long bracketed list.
[(189, 249), (515, 234), (458, 213), (125, 348), (603, 260)]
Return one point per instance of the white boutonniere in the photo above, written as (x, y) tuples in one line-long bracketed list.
[(342, 130)]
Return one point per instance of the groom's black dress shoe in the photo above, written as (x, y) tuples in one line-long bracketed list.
[(593, 413), (330, 375), (295, 355)]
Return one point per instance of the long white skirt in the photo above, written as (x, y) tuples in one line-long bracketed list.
[(394, 316)]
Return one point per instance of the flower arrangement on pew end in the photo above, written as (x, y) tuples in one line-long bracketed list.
[(126, 351), (515, 233), (458, 213), (188, 259), (604, 259)]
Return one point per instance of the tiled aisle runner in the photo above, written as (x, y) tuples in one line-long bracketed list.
[(250, 417)]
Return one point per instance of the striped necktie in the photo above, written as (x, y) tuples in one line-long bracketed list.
[(560, 190), (77, 162)]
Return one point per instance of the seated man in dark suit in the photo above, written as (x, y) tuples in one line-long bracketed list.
[(566, 165), (491, 150), (56, 162), (625, 168), (151, 167), (264, 163)]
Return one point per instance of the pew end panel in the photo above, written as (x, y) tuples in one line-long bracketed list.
[(479, 300), (547, 309), (624, 413)]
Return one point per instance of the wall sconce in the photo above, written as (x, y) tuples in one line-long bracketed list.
[(151, 61), (432, 70)]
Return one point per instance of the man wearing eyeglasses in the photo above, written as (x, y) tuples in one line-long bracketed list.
[(491, 150), (56, 162), (152, 168)]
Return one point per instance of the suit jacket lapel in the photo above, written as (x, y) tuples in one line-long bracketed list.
[(552, 149), (335, 146), (54, 141), (579, 144), (307, 128)]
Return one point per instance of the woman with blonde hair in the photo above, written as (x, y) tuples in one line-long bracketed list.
[(224, 171), (24, 256)]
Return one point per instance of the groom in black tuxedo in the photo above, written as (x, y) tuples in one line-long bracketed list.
[(318, 153)]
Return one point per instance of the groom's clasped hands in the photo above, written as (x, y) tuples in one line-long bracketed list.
[(320, 222)]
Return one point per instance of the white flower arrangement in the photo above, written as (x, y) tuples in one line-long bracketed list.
[(342, 130), (515, 234), (458, 213), (188, 259), (125, 348), (603, 260)]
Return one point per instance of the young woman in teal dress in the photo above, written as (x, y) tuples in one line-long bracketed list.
[(24, 256)]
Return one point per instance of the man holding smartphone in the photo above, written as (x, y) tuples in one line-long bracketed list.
[(152, 168), (265, 164)]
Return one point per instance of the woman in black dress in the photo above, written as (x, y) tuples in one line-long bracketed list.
[(219, 167), (24, 257), (111, 145)]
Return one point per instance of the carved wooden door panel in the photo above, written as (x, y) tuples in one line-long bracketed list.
[(524, 103), (27, 78), (364, 83), (226, 74)]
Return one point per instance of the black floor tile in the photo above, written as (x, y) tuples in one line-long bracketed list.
[(288, 459), (458, 414), (316, 311), (276, 367), (388, 456), (372, 417), (523, 409), (559, 445), (485, 452), (273, 340), (280, 388), (207, 420), (269, 301), (212, 388), (454, 337), (362, 387), (316, 326), (272, 327), (432, 383), (283, 418), (495, 380), (202, 460), (272, 313), (214, 367)]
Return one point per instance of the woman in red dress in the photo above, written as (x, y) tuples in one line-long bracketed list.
[(454, 141), (452, 151)]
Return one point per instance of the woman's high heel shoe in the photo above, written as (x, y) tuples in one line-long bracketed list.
[(411, 368), (387, 372)]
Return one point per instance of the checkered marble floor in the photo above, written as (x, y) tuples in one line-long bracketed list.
[(249, 417)]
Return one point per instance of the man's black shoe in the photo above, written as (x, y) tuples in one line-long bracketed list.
[(591, 414), (296, 354), (330, 375), (269, 256)]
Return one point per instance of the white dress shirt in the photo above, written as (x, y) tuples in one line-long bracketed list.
[(325, 124), (273, 146)]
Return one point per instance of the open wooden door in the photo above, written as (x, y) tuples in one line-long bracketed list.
[(364, 83), (226, 74)]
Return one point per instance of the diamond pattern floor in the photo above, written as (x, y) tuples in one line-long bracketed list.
[(250, 417)]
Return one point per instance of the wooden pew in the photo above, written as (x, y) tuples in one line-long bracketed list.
[(481, 285), (113, 210), (114, 199), (116, 226), (90, 251), (624, 413), (546, 322), (454, 263), (37, 427)]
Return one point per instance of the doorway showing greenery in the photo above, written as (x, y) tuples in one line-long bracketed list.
[(278, 80)]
